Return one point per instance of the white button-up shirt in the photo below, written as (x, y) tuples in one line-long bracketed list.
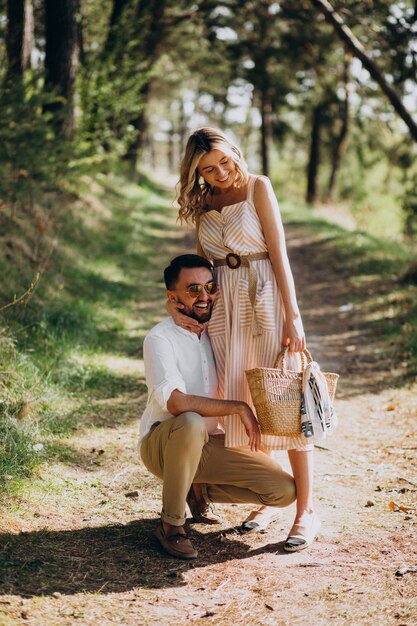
[(175, 358)]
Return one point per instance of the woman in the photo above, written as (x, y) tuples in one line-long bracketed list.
[(239, 229)]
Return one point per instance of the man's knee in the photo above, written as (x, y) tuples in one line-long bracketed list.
[(289, 493), (190, 426), (284, 494)]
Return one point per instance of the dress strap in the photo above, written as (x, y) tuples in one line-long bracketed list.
[(251, 186)]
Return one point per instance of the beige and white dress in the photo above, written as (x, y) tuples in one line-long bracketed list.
[(237, 229)]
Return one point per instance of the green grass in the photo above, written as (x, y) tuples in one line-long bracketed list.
[(70, 358), (373, 269), (78, 340)]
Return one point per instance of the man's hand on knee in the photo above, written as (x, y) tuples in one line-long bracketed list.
[(251, 426)]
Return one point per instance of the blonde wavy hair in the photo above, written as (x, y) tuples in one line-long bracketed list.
[(192, 189)]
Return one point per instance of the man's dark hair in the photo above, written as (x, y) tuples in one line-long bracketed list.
[(173, 270)]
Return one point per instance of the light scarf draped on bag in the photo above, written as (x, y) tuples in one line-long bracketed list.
[(318, 417)]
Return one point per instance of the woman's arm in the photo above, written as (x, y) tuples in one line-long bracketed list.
[(200, 250), (269, 215), (188, 323)]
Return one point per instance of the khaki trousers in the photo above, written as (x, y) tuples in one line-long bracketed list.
[(180, 452)]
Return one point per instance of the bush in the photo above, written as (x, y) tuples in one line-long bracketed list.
[(20, 388), (33, 157)]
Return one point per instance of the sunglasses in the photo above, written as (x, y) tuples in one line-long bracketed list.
[(195, 290)]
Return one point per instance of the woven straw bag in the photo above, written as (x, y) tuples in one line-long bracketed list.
[(276, 393)]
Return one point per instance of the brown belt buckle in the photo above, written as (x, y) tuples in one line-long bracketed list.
[(233, 261)]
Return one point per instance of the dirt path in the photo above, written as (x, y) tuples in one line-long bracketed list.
[(79, 550)]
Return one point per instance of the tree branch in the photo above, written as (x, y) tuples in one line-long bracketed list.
[(357, 49), (25, 296)]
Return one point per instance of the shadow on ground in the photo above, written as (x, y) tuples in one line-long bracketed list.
[(350, 322), (114, 558)]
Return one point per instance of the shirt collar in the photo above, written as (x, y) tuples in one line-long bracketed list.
[(187, 333)]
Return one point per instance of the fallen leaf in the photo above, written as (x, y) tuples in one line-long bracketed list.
[(390, 407), (395, 506)]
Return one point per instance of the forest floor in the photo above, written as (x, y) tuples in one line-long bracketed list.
[(78, 547)]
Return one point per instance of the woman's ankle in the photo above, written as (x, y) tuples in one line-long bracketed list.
[(302, 513)]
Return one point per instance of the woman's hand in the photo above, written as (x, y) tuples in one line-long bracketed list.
[(188, 323), (294, 336)]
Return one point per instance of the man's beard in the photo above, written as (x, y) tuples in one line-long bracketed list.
[(201, 318)]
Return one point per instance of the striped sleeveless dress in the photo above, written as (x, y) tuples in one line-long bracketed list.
[(237, 229)]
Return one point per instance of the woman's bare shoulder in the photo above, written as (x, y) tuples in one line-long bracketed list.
[(262, 185)]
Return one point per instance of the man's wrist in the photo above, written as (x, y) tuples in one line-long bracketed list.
[(241, 407)]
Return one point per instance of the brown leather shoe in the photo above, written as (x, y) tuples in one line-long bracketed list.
[(201, 511), (176, 544)]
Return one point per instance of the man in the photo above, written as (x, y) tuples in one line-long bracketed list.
[(181, 439)]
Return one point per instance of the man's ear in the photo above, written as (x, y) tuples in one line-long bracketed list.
[(171, 295)]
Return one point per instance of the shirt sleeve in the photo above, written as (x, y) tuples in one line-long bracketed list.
[(162, 373)]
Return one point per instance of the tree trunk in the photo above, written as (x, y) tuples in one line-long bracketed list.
[(80, 25), (172, 164), (340, 144), (314, 160), (151, 46), (140, 124), (117, 10), (19, 37), (134, 149), (266, 129), (152, 152), (182, 128), (355, 46), (61, 59)]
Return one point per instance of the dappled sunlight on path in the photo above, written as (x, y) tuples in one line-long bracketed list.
[(78, 547)]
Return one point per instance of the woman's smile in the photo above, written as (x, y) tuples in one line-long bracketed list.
[(218, 169)]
